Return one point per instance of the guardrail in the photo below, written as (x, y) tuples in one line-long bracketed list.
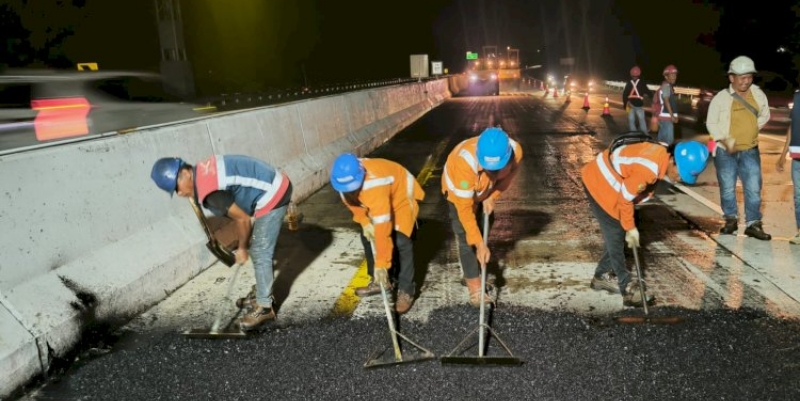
[(679, 90), (232, 101)]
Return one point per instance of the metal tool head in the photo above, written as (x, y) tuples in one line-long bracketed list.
[(649, 319), (481, 360), (387, 358), (212, 334)]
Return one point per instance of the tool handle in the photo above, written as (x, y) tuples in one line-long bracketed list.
[(481, 336), (201, 217), (398, 356), (641, 282)]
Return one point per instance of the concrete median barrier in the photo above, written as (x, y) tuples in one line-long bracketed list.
[(89, 241)]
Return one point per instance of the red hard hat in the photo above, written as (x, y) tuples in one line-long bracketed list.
[(635, 71), (670, 69)]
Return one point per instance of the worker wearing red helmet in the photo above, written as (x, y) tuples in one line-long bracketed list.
[(665, 106), (633, 98)]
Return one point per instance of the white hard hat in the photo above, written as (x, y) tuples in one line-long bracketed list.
[(742, 65)]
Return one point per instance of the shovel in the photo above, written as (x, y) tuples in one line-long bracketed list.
[(381, 358), (454, 358)]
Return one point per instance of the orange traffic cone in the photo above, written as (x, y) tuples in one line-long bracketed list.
[(555, 92), (586, 102), (606, 111)]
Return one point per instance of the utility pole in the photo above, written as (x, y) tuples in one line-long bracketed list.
[(176, 71)]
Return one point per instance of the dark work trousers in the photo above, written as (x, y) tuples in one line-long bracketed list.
[(466, 255), (613, 259), (402, 261)]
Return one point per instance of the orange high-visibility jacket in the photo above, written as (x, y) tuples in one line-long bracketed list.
[(626, 179), (388, 200), (466, 184)]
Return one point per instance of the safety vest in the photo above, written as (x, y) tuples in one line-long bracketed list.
[(256, 186), (658, 101), (465, 184), (625, 178), (388, 199), (634, 91)]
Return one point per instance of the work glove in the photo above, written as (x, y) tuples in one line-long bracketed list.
[(369, 231), (381, 276), (632, 237)]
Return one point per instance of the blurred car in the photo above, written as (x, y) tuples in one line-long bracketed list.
[(42, 106)]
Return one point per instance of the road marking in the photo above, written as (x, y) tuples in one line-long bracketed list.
[(348, 301)]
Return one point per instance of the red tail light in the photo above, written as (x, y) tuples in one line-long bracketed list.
[(61, 118)]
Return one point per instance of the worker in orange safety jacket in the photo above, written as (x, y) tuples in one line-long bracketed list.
[(620, 177), (476, 172), (383, 197)]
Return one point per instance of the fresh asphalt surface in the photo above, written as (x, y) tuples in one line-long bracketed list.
[(713, 353)]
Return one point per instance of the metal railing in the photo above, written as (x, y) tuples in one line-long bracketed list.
[(239, 100)]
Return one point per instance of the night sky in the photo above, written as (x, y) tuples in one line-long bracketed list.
[(251, 45)]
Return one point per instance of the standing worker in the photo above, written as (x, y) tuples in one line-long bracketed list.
[(620, 177), (476, 173), (735, 116), (242, 188), (633, 99), (665, 106), (383, 197), (792, 147)]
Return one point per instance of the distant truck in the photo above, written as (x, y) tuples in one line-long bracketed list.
[(509, 73), (484, 73)]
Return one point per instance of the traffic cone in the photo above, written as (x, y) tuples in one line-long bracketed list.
[(606, 111), (586, 102), (555, 92)]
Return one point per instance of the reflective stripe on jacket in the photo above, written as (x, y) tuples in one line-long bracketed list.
[(466, 184), (626, 179), (256, 186), (388, 199)]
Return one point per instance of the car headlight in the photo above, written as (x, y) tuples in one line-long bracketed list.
[(473, 77)]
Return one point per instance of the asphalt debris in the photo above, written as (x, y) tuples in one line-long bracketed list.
[(721, 354)]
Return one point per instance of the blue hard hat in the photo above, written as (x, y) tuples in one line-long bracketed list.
[(165, 173), (347, 173), (691, 157), (494, 149)]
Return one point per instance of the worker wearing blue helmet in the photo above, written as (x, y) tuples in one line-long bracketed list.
[(254, 194), (625, 175), (476, 173)]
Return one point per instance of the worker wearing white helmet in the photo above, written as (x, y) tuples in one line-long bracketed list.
[(735, 116)]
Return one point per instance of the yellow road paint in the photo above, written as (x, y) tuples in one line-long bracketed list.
[(348, 301)]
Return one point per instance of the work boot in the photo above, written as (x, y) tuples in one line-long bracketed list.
[(404, 302), (633, 295), (796, 239), (489, 286), (605, 283), (756, 231), (256, 317), (474, 287), (248, 300), (372, 288), (731, 225)]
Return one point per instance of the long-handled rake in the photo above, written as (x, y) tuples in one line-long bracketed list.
[(381, 358), (215, 332), (481, 359), (646, 318)]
